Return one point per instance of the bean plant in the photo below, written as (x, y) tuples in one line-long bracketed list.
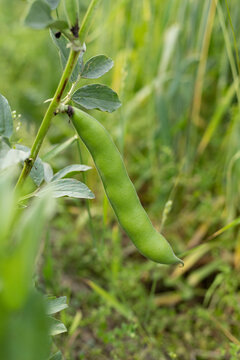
[(23, 219)]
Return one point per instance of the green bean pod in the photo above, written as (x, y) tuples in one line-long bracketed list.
[(120, 190)]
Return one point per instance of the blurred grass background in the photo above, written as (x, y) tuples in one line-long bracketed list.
[(177, 74)]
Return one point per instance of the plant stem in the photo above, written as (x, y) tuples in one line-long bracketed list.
[(69, 94), (87, 20), (72, 59)]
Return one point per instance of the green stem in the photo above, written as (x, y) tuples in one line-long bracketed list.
[(72, 59), (87, 20), (71, 91)]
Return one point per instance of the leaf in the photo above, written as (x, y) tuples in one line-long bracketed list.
[(57, 356), (4, 148), (96, 67), (97, 96), (39, 15), (17, 266), (37, 173), (25, 334), (69, 170), (41, 171), (67, 187), (4, 143), (56, 305), (53, 3), (6, 121), (48, 172), (7, 205), (61, 43), (58, 24), (12, 157), (56, 327)]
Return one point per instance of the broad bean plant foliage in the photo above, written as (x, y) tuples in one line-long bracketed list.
[(22, 221), (23, 309)]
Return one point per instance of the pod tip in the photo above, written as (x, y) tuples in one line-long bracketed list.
[(180, 262)]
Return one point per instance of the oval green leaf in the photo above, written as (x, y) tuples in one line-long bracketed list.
[(6, 121), (58, 25), (71, 169), (39, 15), (97, 96), (53, 3), (56, 305), (48, 172), (67, 187), (39, 171), (12, 157), (96, 67), (56, 327)]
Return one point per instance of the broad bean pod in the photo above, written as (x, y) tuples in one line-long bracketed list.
[(120, 189)]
